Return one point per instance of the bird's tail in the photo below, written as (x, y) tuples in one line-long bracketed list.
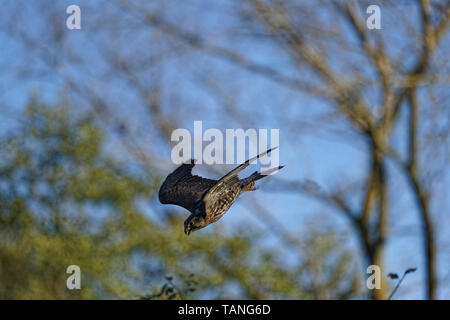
[(257, 175)]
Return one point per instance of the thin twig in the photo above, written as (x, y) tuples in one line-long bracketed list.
[(400, 281)]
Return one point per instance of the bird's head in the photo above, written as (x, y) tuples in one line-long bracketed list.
[(193, 223), (196, 220)]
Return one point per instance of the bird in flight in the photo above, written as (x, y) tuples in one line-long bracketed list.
[(207, 200)]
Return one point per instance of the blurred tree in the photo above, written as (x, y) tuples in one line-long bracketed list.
[(363, 113), (64, 201)]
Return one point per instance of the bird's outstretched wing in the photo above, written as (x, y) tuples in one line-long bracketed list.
[(183, 189), (229, 179)]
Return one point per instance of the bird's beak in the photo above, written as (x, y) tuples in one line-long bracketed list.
[(186, 231)]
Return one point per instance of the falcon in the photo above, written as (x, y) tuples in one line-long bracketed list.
[(207, 200)]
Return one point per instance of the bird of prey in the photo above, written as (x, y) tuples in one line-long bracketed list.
[(207, 200)]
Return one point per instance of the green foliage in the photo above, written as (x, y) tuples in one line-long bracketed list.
[(64, 201)]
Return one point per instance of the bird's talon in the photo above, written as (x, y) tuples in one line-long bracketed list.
[(250, 187)]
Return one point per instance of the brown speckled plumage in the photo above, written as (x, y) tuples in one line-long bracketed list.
[(207, 200)]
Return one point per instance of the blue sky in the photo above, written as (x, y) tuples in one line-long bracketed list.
[(309, 153)]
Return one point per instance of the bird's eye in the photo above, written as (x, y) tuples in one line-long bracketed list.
[(191, 224)]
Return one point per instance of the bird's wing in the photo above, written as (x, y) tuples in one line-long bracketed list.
[(183, 189), (229, 179)]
